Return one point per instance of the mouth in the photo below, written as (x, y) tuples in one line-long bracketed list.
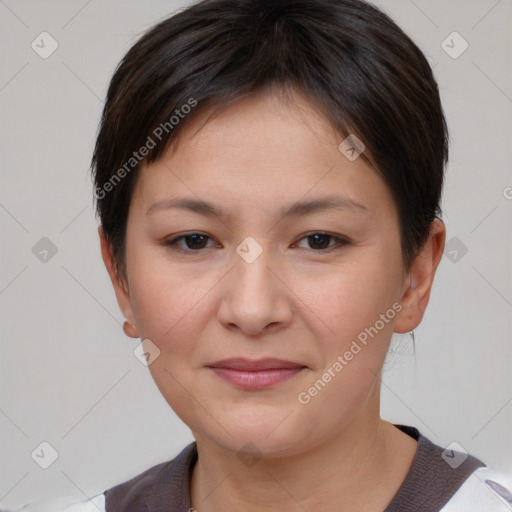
[(255, 374)]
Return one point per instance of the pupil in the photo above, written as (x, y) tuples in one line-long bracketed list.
[(325, 237), (195, 241)]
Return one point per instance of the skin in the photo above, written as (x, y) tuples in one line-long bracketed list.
[(297, 301)]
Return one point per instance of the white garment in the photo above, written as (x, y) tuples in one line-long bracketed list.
[(95, 504), (484, 490)]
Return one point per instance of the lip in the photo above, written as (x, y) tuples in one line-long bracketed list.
[(255, 374), (253, 365)]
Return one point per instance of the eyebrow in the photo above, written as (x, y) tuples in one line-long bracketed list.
[(297, 209)]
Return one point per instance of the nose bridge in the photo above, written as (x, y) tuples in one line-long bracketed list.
[(252, 271), (253, 297)]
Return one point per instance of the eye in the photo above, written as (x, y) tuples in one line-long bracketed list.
[(320, 241), (193, 242)]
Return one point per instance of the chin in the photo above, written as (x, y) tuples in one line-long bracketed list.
[(268, 436)]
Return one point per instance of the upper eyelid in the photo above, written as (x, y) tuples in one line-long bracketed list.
[(340, 239), (309, 233), (185, 235)]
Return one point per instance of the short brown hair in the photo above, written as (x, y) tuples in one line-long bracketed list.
[(368, 76)]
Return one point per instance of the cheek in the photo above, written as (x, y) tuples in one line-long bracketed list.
[(337, 397), (171, 313), (353, 298), (360, 305), (168, 310)]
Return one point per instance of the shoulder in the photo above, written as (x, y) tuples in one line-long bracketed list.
[(451, 480), (485, 489), (435, 475), (166, 482), (156, 488)]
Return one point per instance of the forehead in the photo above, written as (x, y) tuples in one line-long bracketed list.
[(265, 148)]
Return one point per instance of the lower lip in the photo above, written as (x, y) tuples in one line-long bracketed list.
[(256, 379)]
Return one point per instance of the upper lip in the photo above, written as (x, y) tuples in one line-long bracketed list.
[(254, 365)]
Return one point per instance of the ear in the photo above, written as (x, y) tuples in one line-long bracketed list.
[(121, 289), (418, 282)]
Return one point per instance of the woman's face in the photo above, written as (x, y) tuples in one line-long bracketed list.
[(256, 283)]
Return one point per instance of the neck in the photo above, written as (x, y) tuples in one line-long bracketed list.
[(359, 468)]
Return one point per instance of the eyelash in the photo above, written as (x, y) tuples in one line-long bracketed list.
[(173, 243)]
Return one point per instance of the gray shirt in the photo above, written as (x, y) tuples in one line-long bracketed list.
[(428, 486)]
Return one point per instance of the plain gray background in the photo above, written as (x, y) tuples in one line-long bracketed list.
[(68, 373)]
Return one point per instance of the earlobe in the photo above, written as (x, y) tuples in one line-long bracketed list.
[(120, 288), (419, 281), (130, 329)]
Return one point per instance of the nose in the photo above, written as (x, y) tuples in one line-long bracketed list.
[(255, 298)]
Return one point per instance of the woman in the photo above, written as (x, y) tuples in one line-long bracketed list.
[(268, 179)]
